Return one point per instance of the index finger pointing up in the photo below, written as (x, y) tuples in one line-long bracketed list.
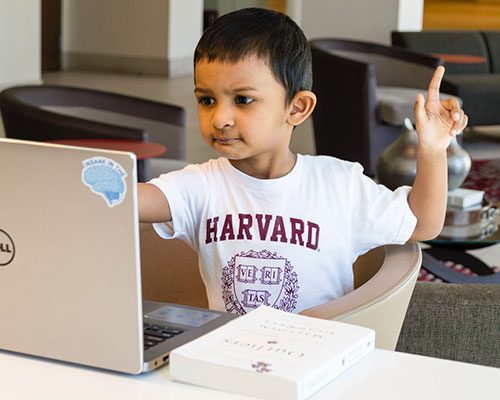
[(433, 91)]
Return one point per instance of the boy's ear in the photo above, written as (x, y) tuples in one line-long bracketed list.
[(302, 106)]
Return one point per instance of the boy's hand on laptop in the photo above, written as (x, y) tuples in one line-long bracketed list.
[(437, 121)]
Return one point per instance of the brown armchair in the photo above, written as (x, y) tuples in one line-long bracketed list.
[(364, 90), (48, 112)]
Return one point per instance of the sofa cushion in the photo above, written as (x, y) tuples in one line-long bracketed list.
[(453, 321), (394, 104), (447, 42), (480, 94)]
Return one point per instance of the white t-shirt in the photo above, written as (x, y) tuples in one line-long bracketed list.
[(288, 242)]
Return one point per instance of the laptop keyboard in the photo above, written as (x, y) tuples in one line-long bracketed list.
[(154, 334)]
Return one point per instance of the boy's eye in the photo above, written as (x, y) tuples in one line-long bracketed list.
[(243, 100), (206, 101)]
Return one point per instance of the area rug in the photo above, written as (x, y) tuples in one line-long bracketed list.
[(426, 276), (484, 175)]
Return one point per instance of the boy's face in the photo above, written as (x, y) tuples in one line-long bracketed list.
[(242, 112)]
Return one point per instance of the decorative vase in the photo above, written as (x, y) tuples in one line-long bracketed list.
[(459, 164), (397, 164)]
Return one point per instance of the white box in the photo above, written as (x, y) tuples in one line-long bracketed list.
[(464, 197)]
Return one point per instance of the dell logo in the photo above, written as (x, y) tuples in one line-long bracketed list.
[(7, 249)]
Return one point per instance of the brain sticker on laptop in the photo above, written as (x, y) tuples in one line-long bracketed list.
[(106, 178)]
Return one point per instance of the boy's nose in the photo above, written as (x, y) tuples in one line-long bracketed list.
[(222, 118)]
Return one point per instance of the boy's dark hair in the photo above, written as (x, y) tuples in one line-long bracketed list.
[(269, 35)]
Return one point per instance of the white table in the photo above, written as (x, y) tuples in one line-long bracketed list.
[(382, 375)]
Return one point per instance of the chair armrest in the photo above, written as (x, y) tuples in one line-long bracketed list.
[(393, 66), (382, 301), (30, 122), (375, 48), (399, 266)]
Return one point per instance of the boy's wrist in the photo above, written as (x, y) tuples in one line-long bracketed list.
[(427, 151)]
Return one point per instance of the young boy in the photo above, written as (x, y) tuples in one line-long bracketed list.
[(272, 227)]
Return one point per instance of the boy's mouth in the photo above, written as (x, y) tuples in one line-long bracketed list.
[(225, 141)]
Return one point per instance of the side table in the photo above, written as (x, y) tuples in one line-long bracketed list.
[(454, 250), (484, 175), (460, 58)]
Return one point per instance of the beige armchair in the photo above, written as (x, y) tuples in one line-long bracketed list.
[(384, 279)]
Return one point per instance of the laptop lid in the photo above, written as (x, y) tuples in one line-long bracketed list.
[(69, 255)]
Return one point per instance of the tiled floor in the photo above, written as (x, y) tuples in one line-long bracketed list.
[(180, 91)]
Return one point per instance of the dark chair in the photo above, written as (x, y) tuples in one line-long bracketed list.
[(47, 112), (364, 90)]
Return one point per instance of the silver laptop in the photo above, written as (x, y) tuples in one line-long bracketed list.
[(70, 282)]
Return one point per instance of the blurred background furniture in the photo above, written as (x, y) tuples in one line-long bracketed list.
[(468, 248), (383, 278), (49, 112), (476, 83), (480, 273), (454, 321), (364, 90)]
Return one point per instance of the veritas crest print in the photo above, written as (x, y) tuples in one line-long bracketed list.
[(256, 278)]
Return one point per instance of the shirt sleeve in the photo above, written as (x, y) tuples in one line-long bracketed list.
[(379, 215), (185, 191)]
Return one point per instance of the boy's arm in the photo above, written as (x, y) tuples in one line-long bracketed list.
[(436, 123), (153, 205)]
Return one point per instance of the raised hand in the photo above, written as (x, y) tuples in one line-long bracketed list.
[(437, 121)]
